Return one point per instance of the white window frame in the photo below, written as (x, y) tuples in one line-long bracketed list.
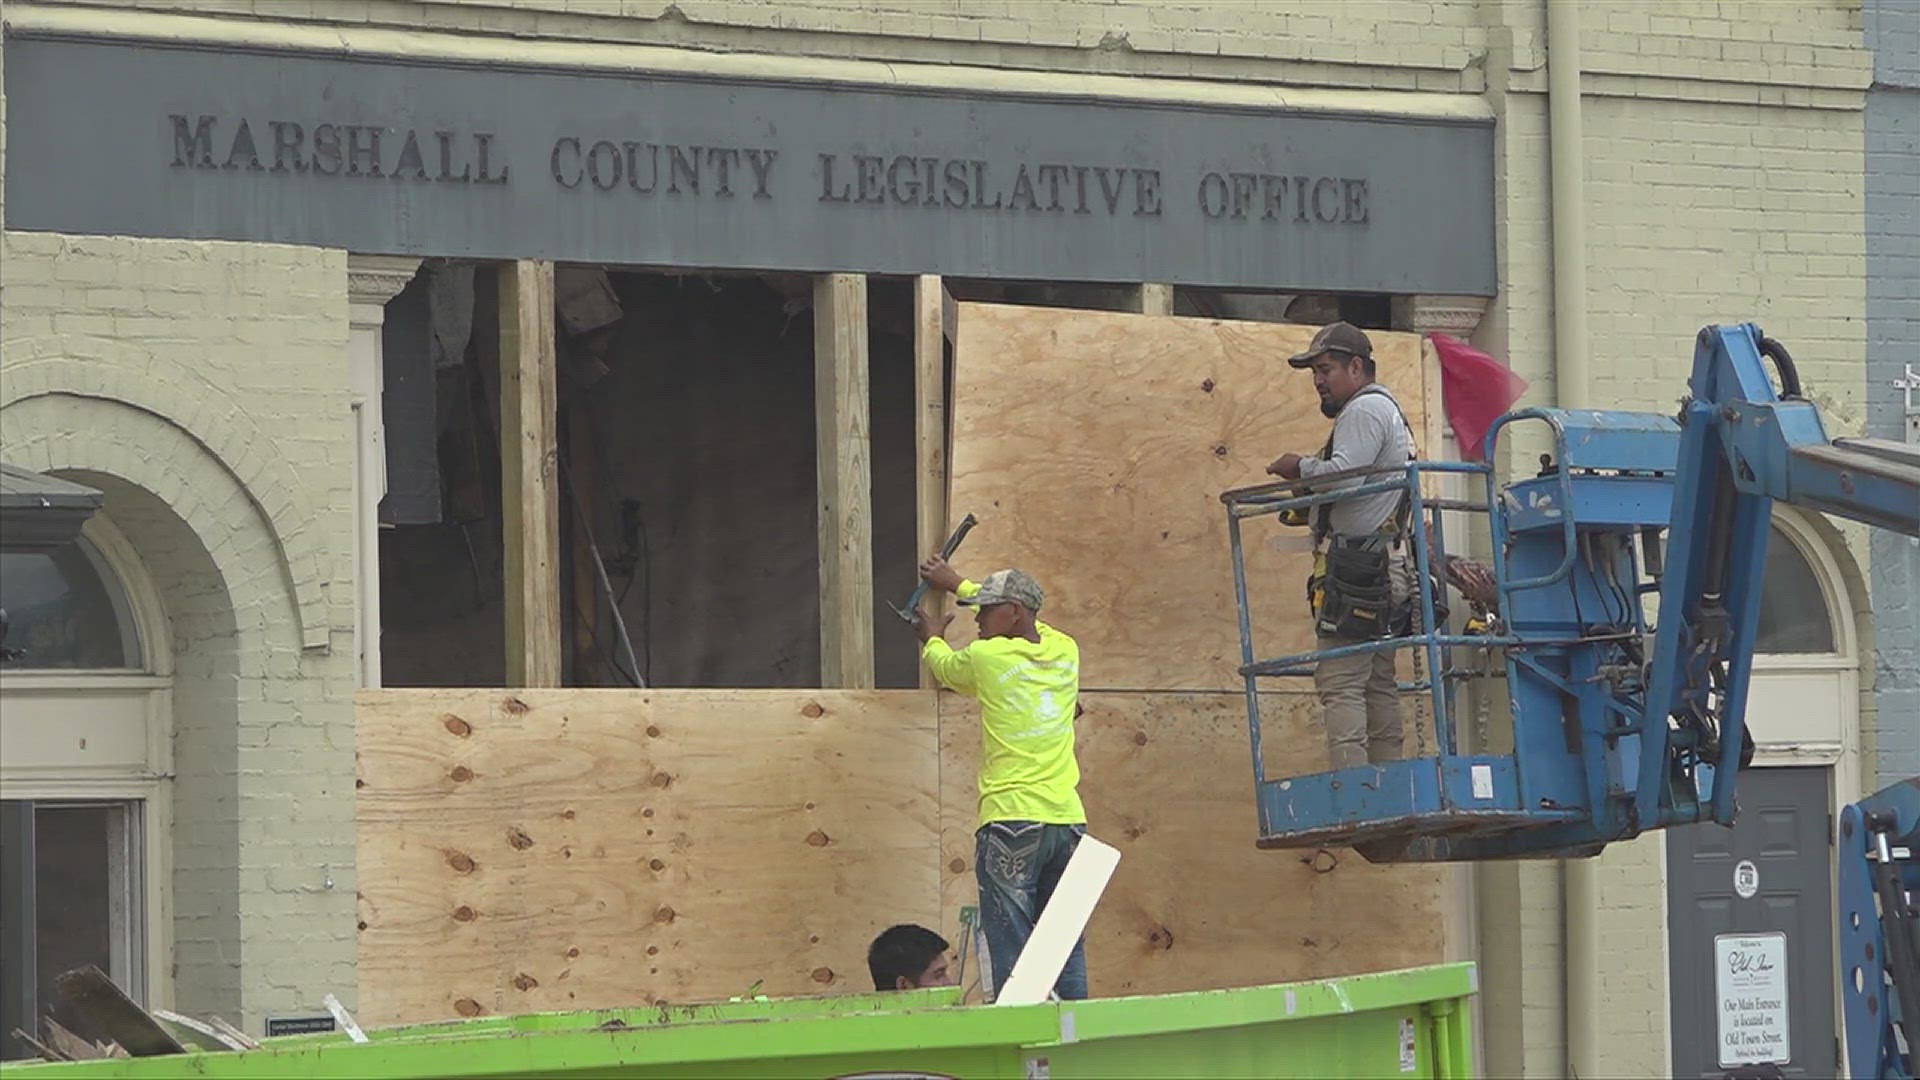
[(1840, 747), (1837, 750), (145, 772)]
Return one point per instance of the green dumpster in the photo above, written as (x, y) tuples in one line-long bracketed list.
[(1409, 1023)]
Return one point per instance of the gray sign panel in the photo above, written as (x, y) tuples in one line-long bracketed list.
[(381, 156)]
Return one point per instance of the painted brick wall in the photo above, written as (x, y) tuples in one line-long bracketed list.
[(211, 380), (1706, 201), (1700, 213), (1406, 44), (1893, 336), (1631, 881), (205, 639), (1803, 44), (1709, 199), (1438, 45), (1522, 941)]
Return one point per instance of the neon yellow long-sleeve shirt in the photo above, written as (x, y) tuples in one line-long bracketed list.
[(1027, 693)]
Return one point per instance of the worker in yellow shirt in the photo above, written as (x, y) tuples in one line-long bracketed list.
[(1026, 676)]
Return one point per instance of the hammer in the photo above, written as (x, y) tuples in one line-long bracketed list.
[(952, 545)]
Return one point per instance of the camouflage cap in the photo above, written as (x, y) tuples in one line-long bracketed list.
[(1008, 587)]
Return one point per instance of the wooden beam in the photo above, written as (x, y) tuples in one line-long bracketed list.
[(1156, 299), (845, 490), (930, 330), (529, 464)]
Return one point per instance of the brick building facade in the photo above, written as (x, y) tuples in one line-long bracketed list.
[(1730, 165)]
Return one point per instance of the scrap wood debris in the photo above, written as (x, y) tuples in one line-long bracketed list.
[(129, 1030)]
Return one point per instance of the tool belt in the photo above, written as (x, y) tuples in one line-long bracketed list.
[(1350, 591)]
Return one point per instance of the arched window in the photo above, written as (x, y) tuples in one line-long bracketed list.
[(66, 610), (1794, 614), (85, 766)]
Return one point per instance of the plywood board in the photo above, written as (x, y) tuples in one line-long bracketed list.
[(543, 849), (1167, 779), (1094, 446)]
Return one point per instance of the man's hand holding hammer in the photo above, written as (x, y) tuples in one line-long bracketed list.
[(937, 574)]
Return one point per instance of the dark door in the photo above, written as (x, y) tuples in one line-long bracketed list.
[(1742, 905)]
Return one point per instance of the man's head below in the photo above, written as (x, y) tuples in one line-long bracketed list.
[(1006, 605), (1341, 358), (908, 957)]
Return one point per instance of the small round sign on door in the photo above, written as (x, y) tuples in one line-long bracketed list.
[(1746, 879)]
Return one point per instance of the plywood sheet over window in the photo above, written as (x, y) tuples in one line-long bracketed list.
[(1194, 905), (548, 849), (1093, 446), (552, 849)]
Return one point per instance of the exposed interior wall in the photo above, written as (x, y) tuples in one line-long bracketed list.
[(698, 390), (442, 588), (687, 451), (705, 421)]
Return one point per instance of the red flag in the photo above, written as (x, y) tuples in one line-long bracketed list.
[(1476, 390)]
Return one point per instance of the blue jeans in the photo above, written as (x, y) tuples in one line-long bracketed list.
[(1017, 864)]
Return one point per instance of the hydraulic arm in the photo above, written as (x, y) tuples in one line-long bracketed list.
[(1880, 931)]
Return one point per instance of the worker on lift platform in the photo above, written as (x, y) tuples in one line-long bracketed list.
[(1361, 571), (1622, 723), (1362, 566)]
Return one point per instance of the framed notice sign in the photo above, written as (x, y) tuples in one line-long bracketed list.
[(1750, 983)]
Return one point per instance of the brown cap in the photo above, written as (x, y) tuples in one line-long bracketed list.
[(1334, 337)]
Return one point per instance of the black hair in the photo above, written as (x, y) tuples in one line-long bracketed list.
[(902, 951)]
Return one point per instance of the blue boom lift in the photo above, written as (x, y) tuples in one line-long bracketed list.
[(1880, 931), (1621, 725)]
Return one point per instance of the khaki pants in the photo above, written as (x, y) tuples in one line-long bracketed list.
[(1360, 695)]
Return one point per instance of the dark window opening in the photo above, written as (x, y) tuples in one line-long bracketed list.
[(688, 552), (70, 898)]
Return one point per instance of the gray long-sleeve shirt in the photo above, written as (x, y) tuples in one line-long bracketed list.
[(1368, 431)]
